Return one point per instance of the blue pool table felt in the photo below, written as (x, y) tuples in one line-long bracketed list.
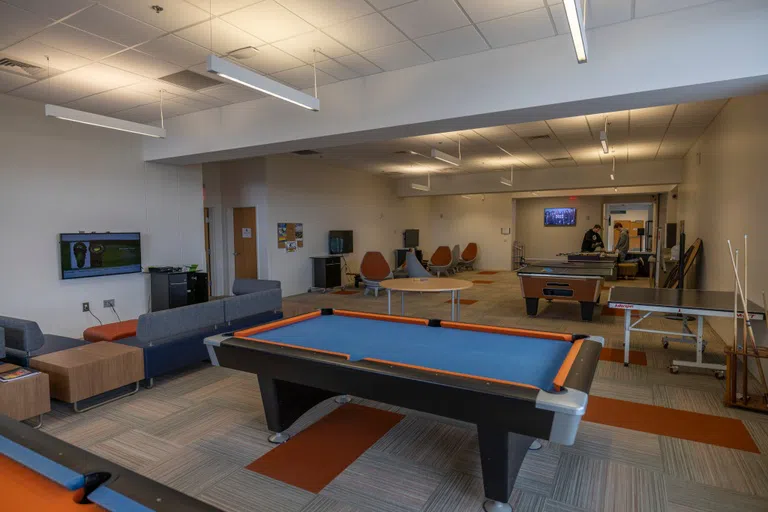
[(527, 360)]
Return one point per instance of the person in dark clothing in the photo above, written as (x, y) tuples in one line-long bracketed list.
[(592, 239)]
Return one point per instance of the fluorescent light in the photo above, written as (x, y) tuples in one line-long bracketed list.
[(604, 141), (535, 193), (248, 78), (613, 169), (467, 197), (508, 182), (612, 177), (574, 12), (78, 116), (445, 157), (615, 189), (423, 188)]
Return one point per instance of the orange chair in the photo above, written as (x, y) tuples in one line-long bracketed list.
[(373, 270), (441, 260), (468, 257)]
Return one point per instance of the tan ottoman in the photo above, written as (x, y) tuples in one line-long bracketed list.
[(84, 372), (628, 270), (24, 398)]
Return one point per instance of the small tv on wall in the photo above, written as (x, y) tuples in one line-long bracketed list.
[(99, 254), (411, 238), (340, 242), (559, 216)]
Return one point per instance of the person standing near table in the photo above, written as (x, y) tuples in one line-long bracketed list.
[(622, 246), (592, 240)]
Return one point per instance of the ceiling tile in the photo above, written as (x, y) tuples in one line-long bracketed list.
[(10, 81), (322, 13), (484, 10), (153, 88), (302, 46), (366, 32), (175, 14), (425, 17), (531, 129), (142, 64), (608, 12), (269, 21), (198, 98), (220, 7), (34, 52), (386, 4), (560, 19), (303, 77), (91, 79), (18, 24), (175, 49), (359, 64), (202, 69), (650, 7), (520, 28), (114, 26), (54, 9), (454, 43), (111, 101), (226, 37), (397, 56), (72, 40), (233, 93), (144, 113), (696, 115), (337, 70), (271, 60)]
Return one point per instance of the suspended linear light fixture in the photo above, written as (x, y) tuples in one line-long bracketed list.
[(613, 169), (423, 188), (604, 137), (508, 182), (445, 157), (78, 116), (576, 13)]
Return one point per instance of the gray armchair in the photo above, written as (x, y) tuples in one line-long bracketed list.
[(455, 255), (414, 266), (24, 340), (246, 286)]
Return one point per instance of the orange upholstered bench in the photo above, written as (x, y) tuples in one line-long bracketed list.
[(111, 332)]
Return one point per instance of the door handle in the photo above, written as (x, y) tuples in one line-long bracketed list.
[(235, 254)]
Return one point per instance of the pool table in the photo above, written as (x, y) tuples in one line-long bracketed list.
[(569, 282), (515, 385), (41, 473)]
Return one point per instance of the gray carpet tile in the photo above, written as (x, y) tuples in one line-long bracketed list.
[(325, 504), (631, 488), (423, 441), (194, 423), (191, 471), (759, 432), (381, 482), (684, 496), (457, 492), (88, 429), (243, 490), (622, 390), (240, 443), (688, 399), (611, 443), (145, 408), (523, 501), (135, 449), (551, 505), (581, 481)]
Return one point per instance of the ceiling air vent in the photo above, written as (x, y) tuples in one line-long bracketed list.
[(538, 137), (190, 80), (306, 152), (18, 67)]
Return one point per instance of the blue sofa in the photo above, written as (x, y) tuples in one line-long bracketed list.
[(173, 339), (24, 340)]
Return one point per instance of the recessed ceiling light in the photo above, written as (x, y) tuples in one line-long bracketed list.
[(244, 53)]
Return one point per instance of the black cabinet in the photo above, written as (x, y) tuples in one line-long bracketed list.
[(175, 289), (326, 272)]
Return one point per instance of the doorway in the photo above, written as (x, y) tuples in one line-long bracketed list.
[(207, 230), (637, 218), (244, 226)]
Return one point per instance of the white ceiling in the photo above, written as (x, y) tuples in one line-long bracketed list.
[(633, 135), (578, 192), (106, 56)]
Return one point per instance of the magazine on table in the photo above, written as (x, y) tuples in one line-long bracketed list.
[(16, 374)]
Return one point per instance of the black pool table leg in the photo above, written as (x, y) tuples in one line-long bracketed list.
[(285, 402), (587, 310), (531, 306), (501, 455)]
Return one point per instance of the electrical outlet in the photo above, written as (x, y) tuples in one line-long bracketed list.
[(110, 303), (86, 307)]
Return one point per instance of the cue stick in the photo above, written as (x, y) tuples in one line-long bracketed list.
[(744, 327), (736, 308), (749, 325)]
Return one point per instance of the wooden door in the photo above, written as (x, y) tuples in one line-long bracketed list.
[(207, 230), (635, 240), (246, 264)]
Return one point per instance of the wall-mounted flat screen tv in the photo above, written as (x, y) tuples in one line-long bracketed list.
[(340, 242), (559, 216), (99, 254), (411, 238)]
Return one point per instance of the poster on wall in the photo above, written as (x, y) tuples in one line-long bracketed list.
[(299, 234), (290, 246), (282, 228)]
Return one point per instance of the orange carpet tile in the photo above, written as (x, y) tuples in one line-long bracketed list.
[(616, 355), (488, 272), (464, 302), (481, 281), (317, 455), (693, 426)]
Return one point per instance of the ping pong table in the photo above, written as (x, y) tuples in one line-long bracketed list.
[(696, 303)]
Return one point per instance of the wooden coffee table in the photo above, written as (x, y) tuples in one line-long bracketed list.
[(426, 285), (85, 372), (24, 398)]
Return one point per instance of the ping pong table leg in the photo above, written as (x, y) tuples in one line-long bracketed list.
[(699, 338), (627, 331)]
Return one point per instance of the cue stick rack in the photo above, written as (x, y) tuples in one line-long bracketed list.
[(742, 400)]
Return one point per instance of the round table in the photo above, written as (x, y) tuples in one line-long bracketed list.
[(426, 285)]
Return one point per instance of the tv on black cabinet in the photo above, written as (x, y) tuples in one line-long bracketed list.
[(99, 254), (340, 242), (559, 216)]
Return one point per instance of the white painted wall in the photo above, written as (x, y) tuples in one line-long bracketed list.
[(56, 177), (456, 220), (724, 197), (547, 242)]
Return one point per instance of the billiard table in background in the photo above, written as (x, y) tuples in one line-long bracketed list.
[(41, 473), (515, 385)]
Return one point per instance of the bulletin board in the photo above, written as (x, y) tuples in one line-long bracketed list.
[(290, 235)]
